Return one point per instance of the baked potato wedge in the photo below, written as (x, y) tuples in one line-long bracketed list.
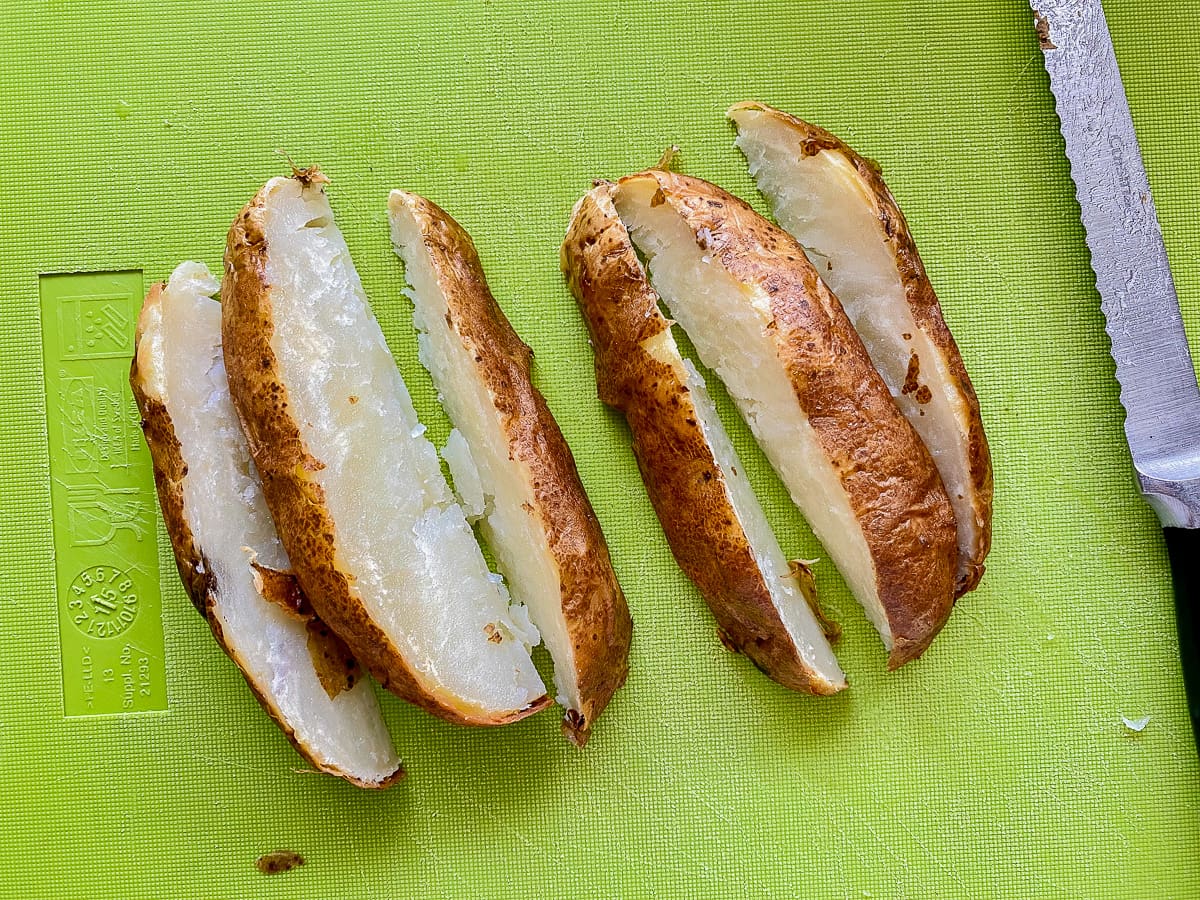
[(378, 542), (512, 464), (226, 548), (836, 204), (712, 519), (762, 319)]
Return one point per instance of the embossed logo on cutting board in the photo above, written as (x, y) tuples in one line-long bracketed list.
[(95, 326), (102, 489)]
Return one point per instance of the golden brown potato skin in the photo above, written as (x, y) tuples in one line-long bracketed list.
[(893, 485), (285, 466), (928, 315), (683, 480), (195, 572), (593, 605)]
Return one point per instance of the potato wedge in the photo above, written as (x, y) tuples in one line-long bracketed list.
[(836, 204), (379, 545), (515, 464), (226, 548), (763, 320), (713, 522)]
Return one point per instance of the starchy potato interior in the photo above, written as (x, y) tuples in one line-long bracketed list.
[(417, 568), (802, 627), (510, 522), (465, 475), (180, 356), (824, 203), (727, 322)]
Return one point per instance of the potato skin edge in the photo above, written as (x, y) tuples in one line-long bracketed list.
[(682, 478), (927, 312), (169, 472), (593, 604), (194, 571), (285, 467)]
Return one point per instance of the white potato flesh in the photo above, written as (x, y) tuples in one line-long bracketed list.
[(419, 572), (510, 523), (822, 201), (465, 475), (727, 322), (224, 506), (797, 617)]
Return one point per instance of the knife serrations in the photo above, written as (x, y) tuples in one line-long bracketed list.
[(1154, 367)]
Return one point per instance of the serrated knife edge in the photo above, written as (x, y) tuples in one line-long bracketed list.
[(1154, 367)]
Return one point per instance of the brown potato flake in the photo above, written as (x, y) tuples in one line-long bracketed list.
[(801, 569), (911, 384), (278, 861)]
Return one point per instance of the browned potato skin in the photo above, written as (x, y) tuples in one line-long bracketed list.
[(296, 501), (893, 485), (593, 605), (928, 315), (682, 478), (194, 571)]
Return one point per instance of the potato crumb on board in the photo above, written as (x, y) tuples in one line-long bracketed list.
[(278, 861), (1135, 725)]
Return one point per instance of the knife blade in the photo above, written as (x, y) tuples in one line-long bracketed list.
[(1137, 294)]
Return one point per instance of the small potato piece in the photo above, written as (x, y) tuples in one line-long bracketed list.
[(536, 516), (763, 320), (226, 548), (713, 521), (835, 203), (380, 547)]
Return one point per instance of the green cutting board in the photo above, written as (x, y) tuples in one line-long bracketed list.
[(134, 763)]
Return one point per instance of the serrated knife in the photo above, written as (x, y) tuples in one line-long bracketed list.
[(1137, 294)]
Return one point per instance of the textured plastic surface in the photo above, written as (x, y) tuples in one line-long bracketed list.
[(995, 767)]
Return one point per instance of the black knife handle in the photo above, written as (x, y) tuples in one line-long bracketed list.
[(1183, 546)]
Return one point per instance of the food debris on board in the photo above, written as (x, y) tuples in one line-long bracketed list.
[(278, 861)]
